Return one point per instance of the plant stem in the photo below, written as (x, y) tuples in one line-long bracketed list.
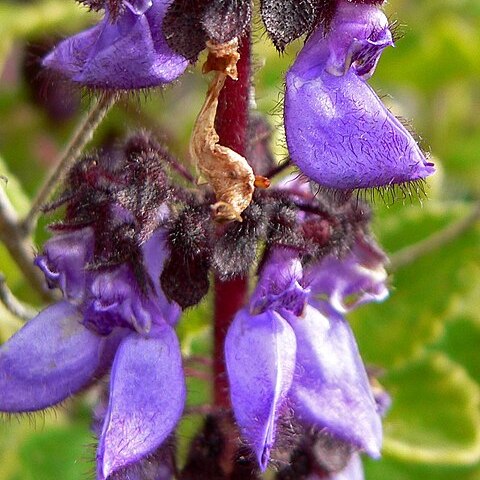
[(12, 304), (70, 155), (231, 125), (196, 373), (409, 254), (19, 247)]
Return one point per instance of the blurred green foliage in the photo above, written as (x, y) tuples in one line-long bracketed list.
[(426, 337)]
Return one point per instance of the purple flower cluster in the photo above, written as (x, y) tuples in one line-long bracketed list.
[(339, 133), (104, 322), (115, 319), (291, 350), (134, 249)]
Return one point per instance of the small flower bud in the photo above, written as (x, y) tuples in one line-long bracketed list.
[(185, 275), (236, 250)]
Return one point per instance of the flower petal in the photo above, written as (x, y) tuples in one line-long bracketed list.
[(157, 466), (50, 358), (138, 6), (129, 53), (279, 286), (348, 282), (63, 262), (260, 359), (358, 35), (155, 252), (338, 131), (331, 388), (147, 396)]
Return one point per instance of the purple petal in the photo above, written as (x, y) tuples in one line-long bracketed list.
[(331, 388), (338, 131), (158, 466), (352, 471), (296, 185), (155, 252), (63, 262), (348, 282), (280, 286), (147, 396), (382, 399), (49, 359), (116, 298), (358, 34), (260, 360), (117, 301), (138, 6), (127, 54)]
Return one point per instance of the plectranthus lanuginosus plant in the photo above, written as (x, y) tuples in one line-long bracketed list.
[(134, 247)]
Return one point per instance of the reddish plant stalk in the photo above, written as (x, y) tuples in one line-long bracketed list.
[(231, 125)]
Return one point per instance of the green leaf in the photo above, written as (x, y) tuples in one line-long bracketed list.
[(5, 45), (23, 446), (194, 329), (9, 324), (424, 293), (38, 17), (420, 57), (461, 342), (390, 469), (435, 416), (461, 149), (58, 453)]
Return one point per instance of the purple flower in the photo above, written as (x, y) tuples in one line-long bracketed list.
[(338, 131), (112, 319), (260, 353), (63, 262), (158, 465), (331, 388), (280, 285), (292, 350), (125, 52), (352, 281)]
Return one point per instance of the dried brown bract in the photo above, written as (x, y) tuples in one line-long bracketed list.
[(230, 176), (222, 58)]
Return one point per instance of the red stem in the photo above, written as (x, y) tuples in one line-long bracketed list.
[(231, 125)]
